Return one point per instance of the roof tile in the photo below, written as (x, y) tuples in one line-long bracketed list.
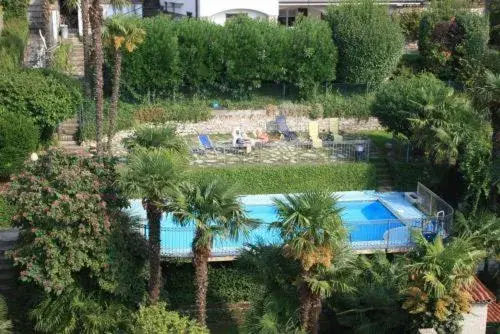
[(480, 293), (494, 313)]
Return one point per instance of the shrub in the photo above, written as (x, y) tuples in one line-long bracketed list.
[(18, 138), (157, 137), (369, 42), (446, 41), (264, 179), (227, 284), (61, 60), (157, 320), (312, 57), (12, 43), (163, 112), (404, 98), (6, 213), (47, 97)]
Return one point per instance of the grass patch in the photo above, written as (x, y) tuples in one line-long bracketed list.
[(265, 179)]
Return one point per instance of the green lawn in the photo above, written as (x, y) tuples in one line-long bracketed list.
[(266, 179)]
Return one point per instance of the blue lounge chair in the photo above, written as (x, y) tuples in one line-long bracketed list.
[(283, 128), (206, 143)]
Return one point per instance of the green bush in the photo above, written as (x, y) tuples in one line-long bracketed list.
[(61, 60), (165, 111), (227, 284), (370, 44), (265, 179), (12, 42), (157, 320), (18, 138), (311, 57), (446, 42), (47, 97), (404, 98)]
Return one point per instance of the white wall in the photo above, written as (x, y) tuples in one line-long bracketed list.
[(475, 321), (209, 8)]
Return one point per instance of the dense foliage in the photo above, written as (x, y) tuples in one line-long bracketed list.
[(196, 56), (14, 8), (260, 179), (47, 97), (65, 224), (19, 137), (158, 320), (405, 98), (370, 44), (409, 20), (227, 284), (448, 41)]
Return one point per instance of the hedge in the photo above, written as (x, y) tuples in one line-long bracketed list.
[(195, 56), (13, 40), (45, 96), (227, 284), (370, 43), (262, 179)]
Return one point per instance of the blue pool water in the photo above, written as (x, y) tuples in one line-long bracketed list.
[(366, 221)]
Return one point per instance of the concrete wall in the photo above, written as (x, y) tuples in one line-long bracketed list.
[(475, 321)]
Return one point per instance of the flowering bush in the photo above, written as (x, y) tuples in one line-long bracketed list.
[(63, 205)]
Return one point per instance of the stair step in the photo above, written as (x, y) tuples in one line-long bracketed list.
[(64, 137), (7, 275)]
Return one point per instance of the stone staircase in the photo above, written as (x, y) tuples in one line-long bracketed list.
[(379, 159), (67, 132), (76, 55)]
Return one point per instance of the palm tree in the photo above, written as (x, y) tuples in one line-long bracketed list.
[(151, 175), (95, 15), (438, 277), (312, 231), (119, 33), (214, 209), (150, 136)]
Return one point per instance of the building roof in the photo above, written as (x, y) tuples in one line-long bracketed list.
[(480, 293), (494, 313)]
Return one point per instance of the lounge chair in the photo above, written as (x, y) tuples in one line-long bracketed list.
[(241, 140), (206, 143), (283, 128), (314, 134)]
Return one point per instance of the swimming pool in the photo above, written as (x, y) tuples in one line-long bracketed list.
[(373, 222)]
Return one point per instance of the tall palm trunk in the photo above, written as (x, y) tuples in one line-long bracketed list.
[(201, 253), (310, 307), (154, 220), (115, 96), (96, 21), (87, 44)]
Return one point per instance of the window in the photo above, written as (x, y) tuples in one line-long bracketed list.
[(231, 15), (302, 11)]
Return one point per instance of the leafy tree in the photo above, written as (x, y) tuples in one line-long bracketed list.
[(313, 234), (312, 55), (214, 209), (405, 98), (119, 35), (151, 175), (439, 274), (370, 44), (157, 320), (409, 21), (375, 305)]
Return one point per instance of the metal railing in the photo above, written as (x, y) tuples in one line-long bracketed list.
[(284, 153), (391, 235), (435, 207)]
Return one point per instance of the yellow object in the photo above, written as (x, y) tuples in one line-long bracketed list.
[(334, 126), (314, 134)]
